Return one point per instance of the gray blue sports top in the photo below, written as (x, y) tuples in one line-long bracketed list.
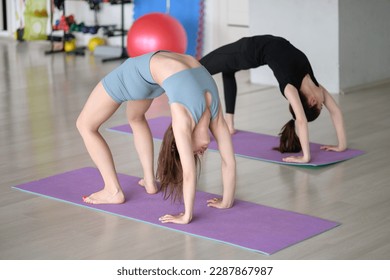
[(188, 87), (132, 80)]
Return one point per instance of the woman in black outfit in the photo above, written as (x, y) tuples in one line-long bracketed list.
[(296, 81)]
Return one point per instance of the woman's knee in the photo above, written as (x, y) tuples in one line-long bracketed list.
[(136, 120), (80, 124), (84, 126)]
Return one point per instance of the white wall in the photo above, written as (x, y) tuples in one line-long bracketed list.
[(364, 42), (346, 41), (225, 21), (12, 11), (311, 26), (211, 24)]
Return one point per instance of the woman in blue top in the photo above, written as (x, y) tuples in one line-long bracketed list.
[(194, 104), (296, 81)]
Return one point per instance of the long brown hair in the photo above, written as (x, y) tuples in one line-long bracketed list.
[(169, 168), (289, 140)]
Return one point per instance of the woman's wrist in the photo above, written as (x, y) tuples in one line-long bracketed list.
[(227, 203)]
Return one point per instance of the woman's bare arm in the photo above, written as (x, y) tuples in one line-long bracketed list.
[(181, 124), (222, 135), (338, 122), (302, 129)]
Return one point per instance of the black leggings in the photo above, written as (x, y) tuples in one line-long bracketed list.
[(216, 62), (230, 91)]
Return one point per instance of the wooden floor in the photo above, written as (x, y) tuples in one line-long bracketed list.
[(40, 99)]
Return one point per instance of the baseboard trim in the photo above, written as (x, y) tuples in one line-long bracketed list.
[(365, 86)]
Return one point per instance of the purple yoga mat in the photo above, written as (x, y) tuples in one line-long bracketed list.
[(254, 145), (247, 225)]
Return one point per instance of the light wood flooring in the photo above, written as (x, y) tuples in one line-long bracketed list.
[(40, 99)]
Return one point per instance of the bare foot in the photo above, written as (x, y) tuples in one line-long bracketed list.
[(229, 118), (105, 197), (231, 130), (150, 189)]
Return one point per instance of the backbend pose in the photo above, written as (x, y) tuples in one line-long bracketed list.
[(296, 81), (195, 108)]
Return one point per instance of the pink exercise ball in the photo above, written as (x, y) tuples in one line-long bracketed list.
[(156, 31)]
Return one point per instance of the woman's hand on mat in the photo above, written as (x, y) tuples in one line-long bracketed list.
[(296, 159), (176, 219), (333, 148), (217, 203)]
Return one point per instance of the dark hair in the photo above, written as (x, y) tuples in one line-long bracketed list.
[(289, 140), (169, 168)]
